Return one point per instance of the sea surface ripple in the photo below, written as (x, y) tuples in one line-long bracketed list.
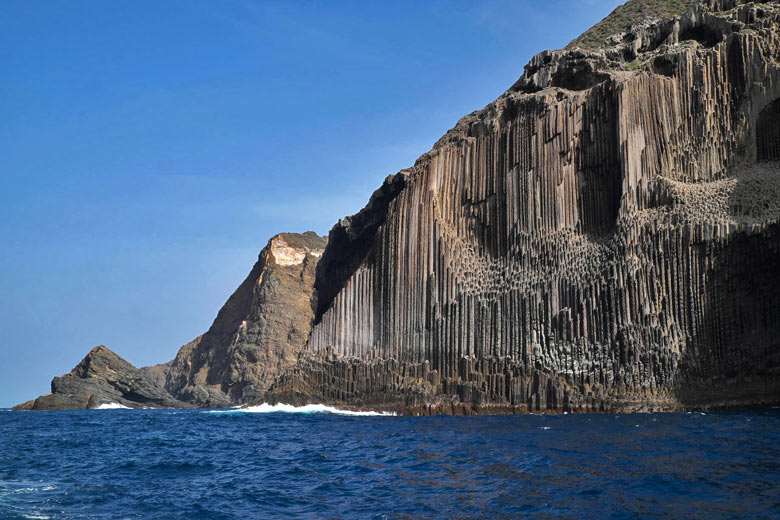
[(192, 464)]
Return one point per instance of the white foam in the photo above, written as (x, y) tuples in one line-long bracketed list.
[(112, 406), (308, 409)]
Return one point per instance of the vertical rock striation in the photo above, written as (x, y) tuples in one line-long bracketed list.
[(604, 236)]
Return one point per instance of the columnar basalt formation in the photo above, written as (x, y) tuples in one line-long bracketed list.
[(604, 236), (103, 378), (261, 329)]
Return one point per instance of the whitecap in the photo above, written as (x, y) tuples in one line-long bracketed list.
[(112, 406), (306, 409), (544, 427)]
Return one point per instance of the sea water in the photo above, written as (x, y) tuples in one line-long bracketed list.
[(190, 464)]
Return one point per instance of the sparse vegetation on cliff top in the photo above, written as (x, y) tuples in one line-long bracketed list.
[(625, 15)]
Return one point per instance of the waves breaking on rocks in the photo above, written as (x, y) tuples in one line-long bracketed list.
[(112, 406), (306, 409)]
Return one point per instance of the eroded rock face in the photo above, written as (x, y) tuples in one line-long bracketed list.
[(260, 329), (103, 378), (604, 236)]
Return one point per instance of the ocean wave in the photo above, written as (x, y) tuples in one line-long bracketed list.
[(112, 406), (306, 409), (20, 498), (31, 489)]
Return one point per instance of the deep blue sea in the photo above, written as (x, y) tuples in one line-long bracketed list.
[(198, 464)]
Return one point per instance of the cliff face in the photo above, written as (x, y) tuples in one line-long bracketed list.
[(103, 378), (260, 329), (603, 236)]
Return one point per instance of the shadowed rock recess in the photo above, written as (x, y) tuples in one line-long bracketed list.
[(602, 237)]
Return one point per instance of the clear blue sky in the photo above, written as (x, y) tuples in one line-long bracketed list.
[(149, 149)]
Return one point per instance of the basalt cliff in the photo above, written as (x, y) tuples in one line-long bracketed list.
[(602, 237)]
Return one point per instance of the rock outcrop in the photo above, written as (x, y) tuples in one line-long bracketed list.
[(103, 378), (260, 330), (604, 236)]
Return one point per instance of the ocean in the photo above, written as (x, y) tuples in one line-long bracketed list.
[(313, 463)]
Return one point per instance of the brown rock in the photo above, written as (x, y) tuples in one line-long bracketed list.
[(260, 329)]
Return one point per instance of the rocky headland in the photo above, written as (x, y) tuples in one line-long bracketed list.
[(602, 237), (260, 330), (103, 378)]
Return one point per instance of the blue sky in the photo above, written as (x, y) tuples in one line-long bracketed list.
[(149, 149)]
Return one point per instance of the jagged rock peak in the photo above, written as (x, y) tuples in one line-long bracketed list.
[(261, 328), (292, 248)]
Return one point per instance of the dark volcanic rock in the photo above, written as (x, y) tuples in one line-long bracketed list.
[(604, 236), (103, 378), (260, 330)]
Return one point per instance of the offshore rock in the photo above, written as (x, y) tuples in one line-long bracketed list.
[(604, 236), (103, 378), (260, 330)]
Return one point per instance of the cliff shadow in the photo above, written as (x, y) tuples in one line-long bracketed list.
[(731, 356), (768, 133)]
